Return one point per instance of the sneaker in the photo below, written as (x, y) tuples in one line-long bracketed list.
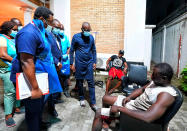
[(94, 107), (82, 103), (10, 122)]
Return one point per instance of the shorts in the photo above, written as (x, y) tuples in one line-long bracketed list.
[(116, 72), (105, 112)]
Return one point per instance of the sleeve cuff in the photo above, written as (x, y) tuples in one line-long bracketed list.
[(58, 63)]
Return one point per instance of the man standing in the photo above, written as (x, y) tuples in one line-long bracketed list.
[(34, 56), (85, 61), (119, 69), (65, 71)]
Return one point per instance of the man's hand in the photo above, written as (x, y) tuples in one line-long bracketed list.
[(125, 71), (72, 67), (125, 100), (59, 67), (36, 93), (114, 109), (94, 66), (107, 67)]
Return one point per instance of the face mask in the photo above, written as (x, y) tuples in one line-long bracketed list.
[(61, 33), (20, 27), (49, 28), (86, 33), (13, 33), (56, 31)]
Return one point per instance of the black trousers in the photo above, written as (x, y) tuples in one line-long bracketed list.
[(33, 113)]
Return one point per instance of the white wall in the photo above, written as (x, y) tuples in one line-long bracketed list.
[(134, 42), (171, 37), (61, 10), (137, 41)]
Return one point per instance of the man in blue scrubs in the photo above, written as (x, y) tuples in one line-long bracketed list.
[(65, 71), (61, 45), (34, 55), (85, 62)]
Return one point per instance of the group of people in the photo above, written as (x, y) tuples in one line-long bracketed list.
[(38, 47), (42, 46)]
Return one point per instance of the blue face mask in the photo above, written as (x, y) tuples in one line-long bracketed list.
[(20, 27), (86, 33), (49, 28), (13, 33), (56, 31), (61, 33)]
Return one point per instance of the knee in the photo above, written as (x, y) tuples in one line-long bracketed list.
[(104, 98), (110, 78)]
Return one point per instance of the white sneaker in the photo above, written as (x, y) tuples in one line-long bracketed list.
[(82, 103)]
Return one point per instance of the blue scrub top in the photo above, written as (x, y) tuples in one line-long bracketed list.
[(65, 44), (85, 55), (29, 40)]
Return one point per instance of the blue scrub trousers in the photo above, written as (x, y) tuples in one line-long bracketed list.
[(33, 113), (91, 90)]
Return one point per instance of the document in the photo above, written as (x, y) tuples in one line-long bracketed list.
[(23, 88)]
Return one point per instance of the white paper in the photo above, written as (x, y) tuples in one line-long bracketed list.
[(23, 89)]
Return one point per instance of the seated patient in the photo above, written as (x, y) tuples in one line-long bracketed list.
[(148, 103), (118, 62)]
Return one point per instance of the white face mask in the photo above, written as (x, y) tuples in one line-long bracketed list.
[(49, 28), (61, 33), (20, 27)]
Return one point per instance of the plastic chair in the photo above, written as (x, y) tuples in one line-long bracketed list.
[(136, 78), (128, 123)]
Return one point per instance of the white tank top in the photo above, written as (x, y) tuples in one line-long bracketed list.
[(149, 97)]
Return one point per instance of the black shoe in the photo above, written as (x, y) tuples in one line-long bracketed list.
[(66, 93), (58, 101), (53, 113), (45, 125)]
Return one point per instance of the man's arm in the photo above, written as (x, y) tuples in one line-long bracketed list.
[(138, 92), (107, 62), (28, 67), (164, 100), (94, 55), (125, 67), (71, 53), (68, 50)]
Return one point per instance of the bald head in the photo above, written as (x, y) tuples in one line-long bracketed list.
[(56, 23), (62, 27), (86, 26), (16, 21)]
